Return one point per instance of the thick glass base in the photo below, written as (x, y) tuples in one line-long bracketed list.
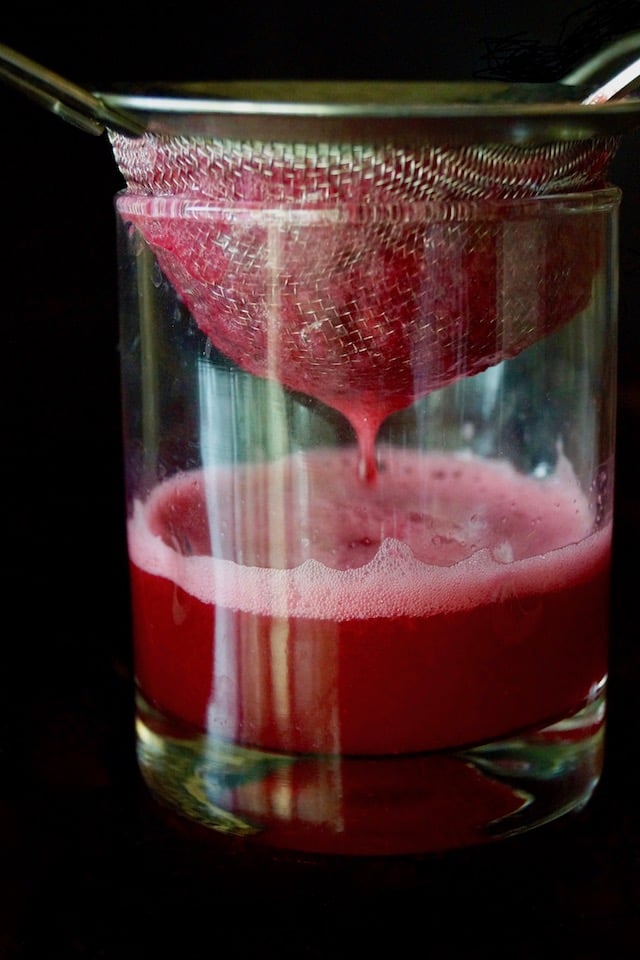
[(388, 805)]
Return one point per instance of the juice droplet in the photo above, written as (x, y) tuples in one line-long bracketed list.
[(367, 464), (366, 424)]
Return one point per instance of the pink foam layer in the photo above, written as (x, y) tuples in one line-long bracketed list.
[(437, 534)]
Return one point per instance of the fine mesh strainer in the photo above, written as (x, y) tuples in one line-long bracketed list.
[(344, 238)]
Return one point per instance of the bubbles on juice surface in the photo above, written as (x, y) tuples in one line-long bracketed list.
[(303, 537)]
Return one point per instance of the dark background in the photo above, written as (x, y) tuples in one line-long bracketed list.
[(88, 871)]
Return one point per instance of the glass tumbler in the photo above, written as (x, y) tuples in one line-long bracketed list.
[(369, 477)]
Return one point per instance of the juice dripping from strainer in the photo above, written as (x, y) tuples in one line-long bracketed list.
[(370, 314), (366, 278)]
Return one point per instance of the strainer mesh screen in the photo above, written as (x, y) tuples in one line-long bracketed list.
[(250, 171), (365, 276)]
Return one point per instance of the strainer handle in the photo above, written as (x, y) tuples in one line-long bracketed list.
[(64, 98), (611, 73)]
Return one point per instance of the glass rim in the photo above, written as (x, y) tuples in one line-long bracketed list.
[(196, 207)]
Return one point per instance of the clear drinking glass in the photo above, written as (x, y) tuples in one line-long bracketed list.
[(370, 560)]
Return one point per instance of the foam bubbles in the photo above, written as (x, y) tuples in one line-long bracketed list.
[(439, 538)]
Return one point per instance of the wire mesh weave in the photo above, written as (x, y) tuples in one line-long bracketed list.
[(251, 171), (320, 265)]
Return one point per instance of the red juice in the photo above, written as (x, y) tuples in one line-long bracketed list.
[(291, 607)]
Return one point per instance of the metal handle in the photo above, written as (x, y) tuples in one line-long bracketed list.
[(64, 98), (611, 73)]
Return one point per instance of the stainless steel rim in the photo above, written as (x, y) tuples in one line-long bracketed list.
[(370, 112)]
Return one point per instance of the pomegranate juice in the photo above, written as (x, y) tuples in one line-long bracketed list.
[(291, 607)]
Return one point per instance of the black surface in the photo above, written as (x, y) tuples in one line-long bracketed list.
[(90, 869)]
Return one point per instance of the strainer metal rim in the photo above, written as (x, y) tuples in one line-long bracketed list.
[(456, 112)]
